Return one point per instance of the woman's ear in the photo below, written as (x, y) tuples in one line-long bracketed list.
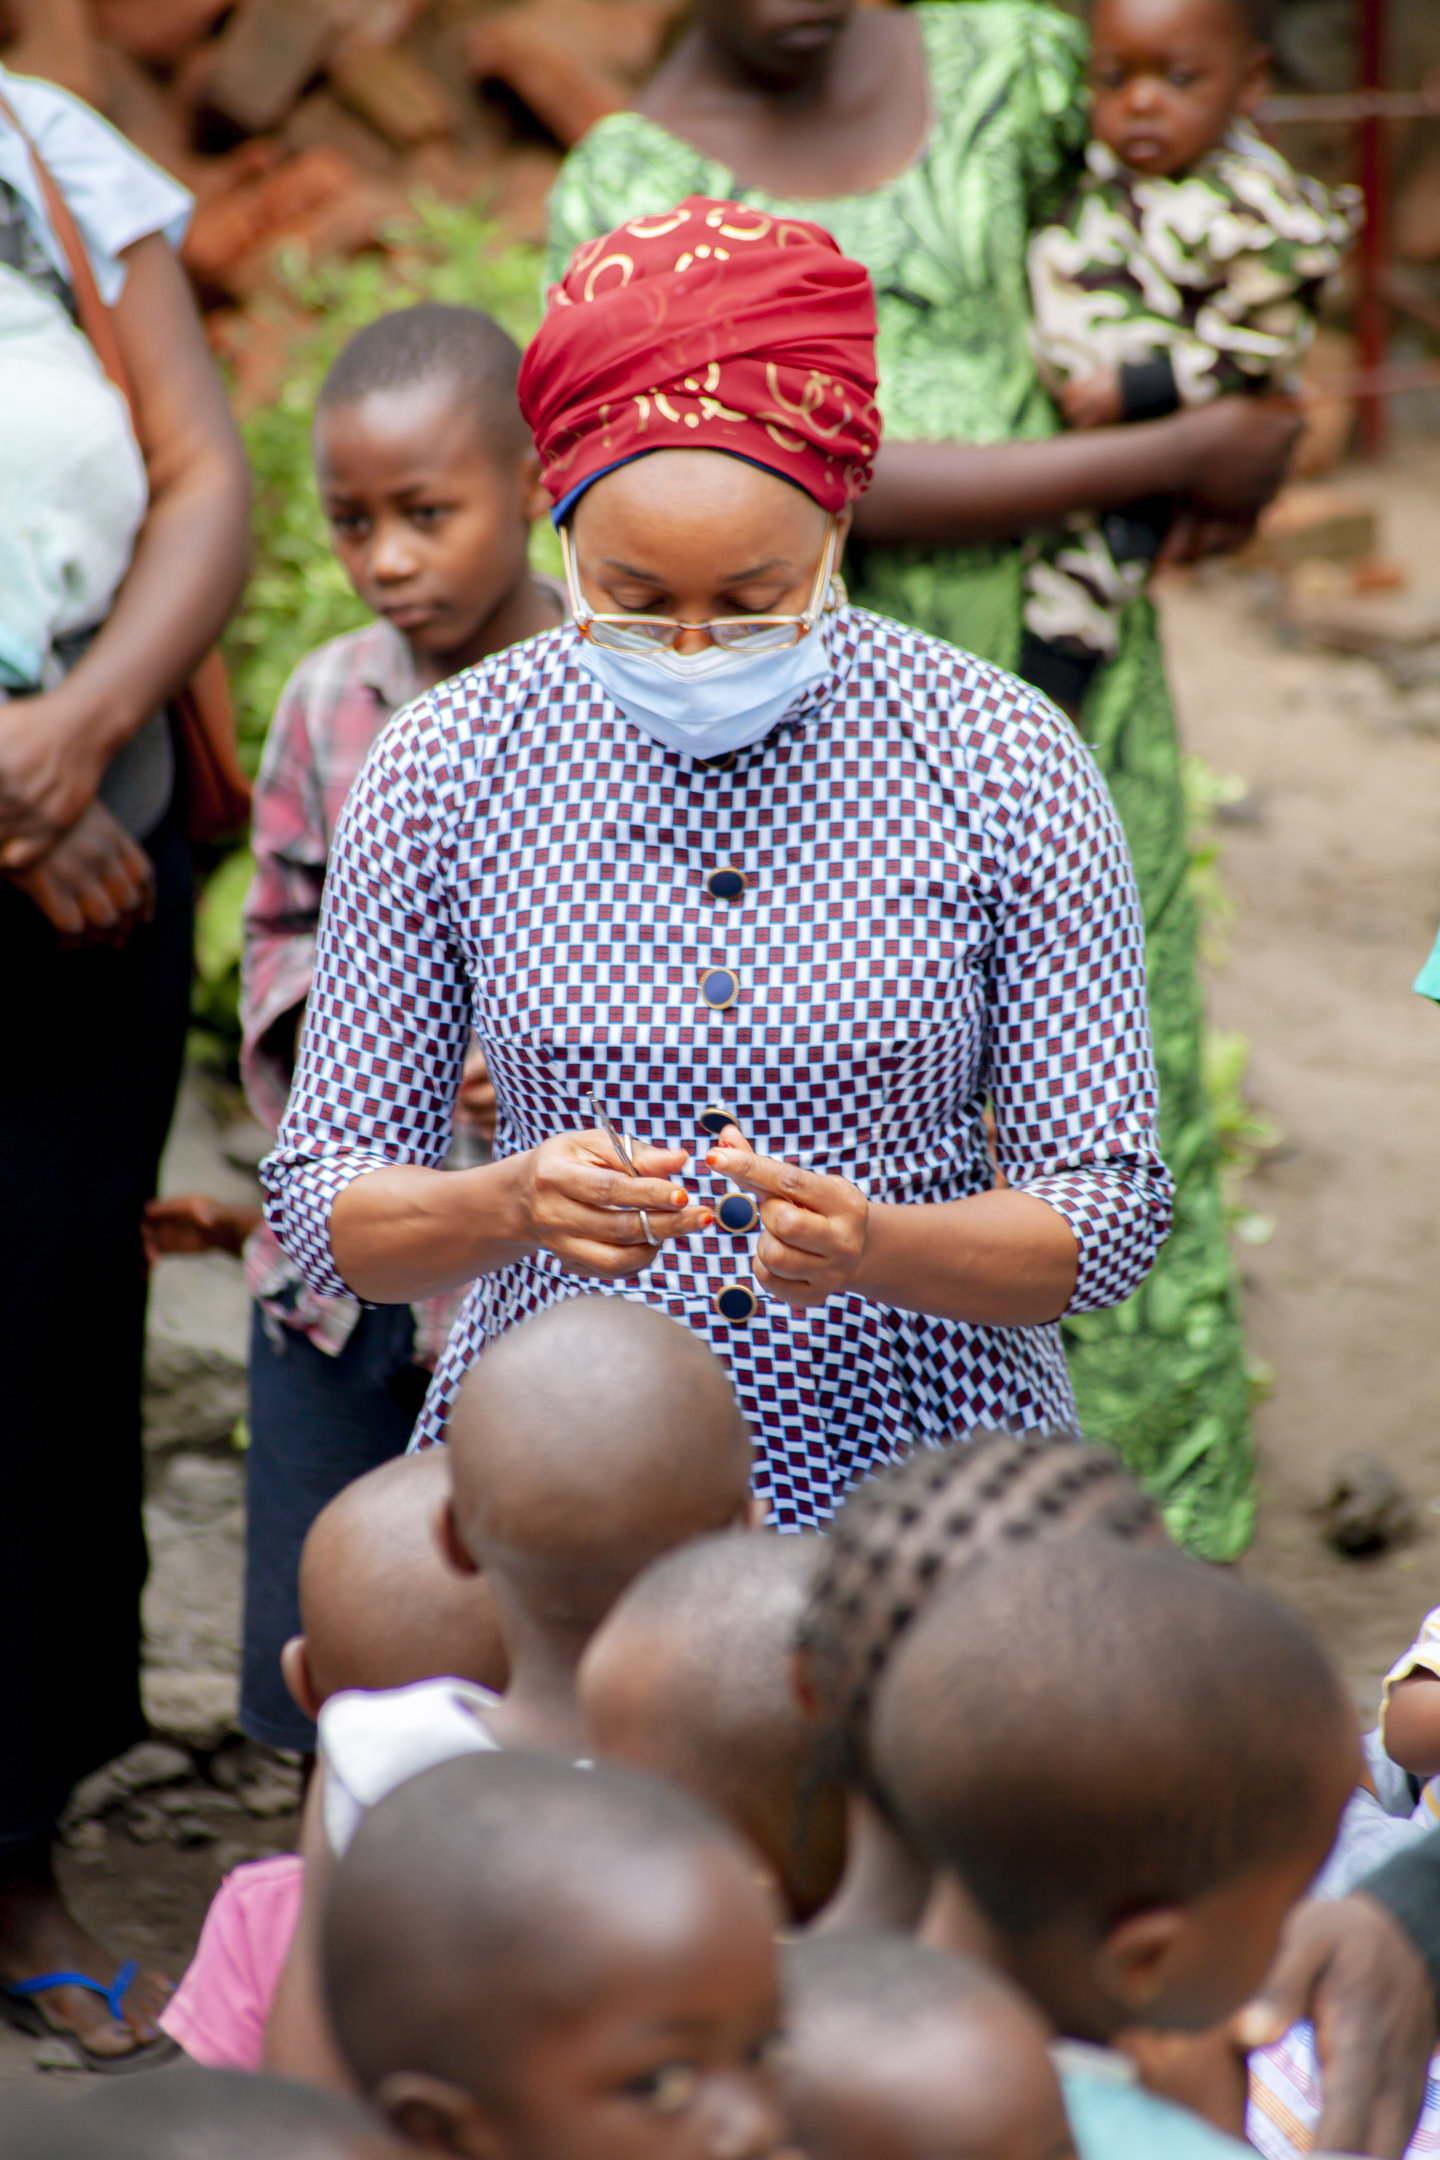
[(1135, 1963), (453, 1550), (437, 2116), (295, 1672)]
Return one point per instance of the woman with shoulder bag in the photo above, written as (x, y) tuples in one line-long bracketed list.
[(122, 552)]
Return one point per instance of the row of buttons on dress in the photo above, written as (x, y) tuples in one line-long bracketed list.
[(737, 1212)]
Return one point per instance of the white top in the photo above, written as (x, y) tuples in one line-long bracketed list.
[(372, 1740), (115, 195), (75, 489)]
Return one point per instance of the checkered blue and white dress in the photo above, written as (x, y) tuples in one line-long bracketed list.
[(939, 910)]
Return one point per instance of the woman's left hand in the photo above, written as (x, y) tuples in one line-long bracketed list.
[(815, 1227)]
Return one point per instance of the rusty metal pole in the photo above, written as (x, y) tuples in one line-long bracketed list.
[(1373, 321)]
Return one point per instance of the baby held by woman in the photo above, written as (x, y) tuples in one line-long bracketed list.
[(1187, 266)]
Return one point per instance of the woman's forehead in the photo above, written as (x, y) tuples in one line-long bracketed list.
[(727, 497)]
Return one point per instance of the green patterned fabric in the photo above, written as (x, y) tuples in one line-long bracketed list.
[(1162, 1377)]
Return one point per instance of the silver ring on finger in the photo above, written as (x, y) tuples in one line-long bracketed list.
[(645, 1230)]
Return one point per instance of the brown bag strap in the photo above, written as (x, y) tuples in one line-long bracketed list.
[(95, 317)]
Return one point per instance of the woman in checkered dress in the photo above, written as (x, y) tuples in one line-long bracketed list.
[(738, 864)]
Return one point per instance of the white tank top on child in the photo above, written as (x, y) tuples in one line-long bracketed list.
[(373, 1740)]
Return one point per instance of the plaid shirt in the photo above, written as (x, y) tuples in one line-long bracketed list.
[(330, 712)]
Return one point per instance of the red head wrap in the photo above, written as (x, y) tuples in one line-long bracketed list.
[(708, 327)]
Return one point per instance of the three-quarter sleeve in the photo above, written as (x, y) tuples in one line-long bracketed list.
[(388, 1021), (1069, 1062)]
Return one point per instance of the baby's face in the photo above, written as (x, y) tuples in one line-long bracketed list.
[(677, 2061), (1167, 77)]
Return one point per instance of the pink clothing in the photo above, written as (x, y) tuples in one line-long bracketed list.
[(218, 2012)]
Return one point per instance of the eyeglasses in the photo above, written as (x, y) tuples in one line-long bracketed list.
[(736, 633)]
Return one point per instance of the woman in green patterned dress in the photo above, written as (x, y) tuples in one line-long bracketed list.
[(930, 141)]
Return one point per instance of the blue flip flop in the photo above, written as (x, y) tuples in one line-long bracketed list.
[(18, 2007)]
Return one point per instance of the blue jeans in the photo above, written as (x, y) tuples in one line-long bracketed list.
[(316, 1424)]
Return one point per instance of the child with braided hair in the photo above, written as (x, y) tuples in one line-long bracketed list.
[(901, 1538)]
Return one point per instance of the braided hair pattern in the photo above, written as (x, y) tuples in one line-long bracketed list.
[(905, 1534)]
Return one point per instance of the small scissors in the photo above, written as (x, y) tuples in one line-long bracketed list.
[(622, 1148)]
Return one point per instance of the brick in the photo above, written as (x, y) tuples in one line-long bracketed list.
[(345, 223), (1307, 524), (264, 57), (387, 21), (158, 32), (321, 121), (393, 91), (256, 208), (549, 56)]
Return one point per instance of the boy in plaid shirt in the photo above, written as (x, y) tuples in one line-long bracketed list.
[(430, 484)]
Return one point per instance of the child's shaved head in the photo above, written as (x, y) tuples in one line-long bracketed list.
[(460, 349), (508, 1931), (895, 2051), (587, 1441), (194, 2114), (690, 1677), (379, 1605), (1090, 1732)]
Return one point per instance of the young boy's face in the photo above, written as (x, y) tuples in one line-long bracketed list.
[(673, 2060), (430, 522), (1167, 77)]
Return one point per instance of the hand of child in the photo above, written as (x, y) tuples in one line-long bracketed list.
[(193, 1223), (1089, 401), (475, 1102), (94, 885)]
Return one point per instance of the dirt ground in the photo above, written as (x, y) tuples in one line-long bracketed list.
[(1332, 861), (1331, 858)]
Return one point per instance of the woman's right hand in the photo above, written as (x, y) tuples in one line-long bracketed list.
[(95, 884), (574, 1202), (1234, 456)]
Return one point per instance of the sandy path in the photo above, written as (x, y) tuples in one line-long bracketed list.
[(1336, 885)]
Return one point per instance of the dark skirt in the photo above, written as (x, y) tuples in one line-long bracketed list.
[(91, 1045)]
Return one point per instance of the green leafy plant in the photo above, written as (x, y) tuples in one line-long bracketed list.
[(298, 596)]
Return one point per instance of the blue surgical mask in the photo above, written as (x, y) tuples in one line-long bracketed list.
[(708, 703)]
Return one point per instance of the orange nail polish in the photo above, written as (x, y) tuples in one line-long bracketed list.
[(706, 1218)]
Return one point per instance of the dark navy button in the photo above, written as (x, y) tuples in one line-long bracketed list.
[(719, 988), (737, 1213), (718, 764), (736, 1302), (725, 884), (714, 1118)]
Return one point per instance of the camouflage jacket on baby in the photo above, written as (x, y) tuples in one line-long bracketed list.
[(1192, 286)]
